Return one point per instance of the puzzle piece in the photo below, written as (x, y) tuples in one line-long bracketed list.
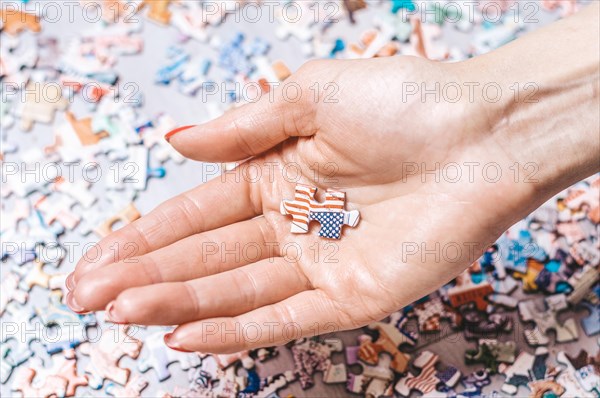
[(481, 325), (11, 292), (491, 353), (330, 214), (158, 356), (388, 340), (526, 368), (311, 355), (429, 378), (475, 382), (543, 312), (374, 381), (53, 386), (14, 21), (126, 216), (132, 389), (158, 10), (106, 353), (40, 103), (469, 292), (71, 327), (430, 313), (581, 378)]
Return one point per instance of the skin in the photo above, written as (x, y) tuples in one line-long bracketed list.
[(375, 137)]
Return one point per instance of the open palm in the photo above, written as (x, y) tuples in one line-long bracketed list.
[(220, 260)]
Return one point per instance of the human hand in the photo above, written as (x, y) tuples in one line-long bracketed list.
[(369, 143)]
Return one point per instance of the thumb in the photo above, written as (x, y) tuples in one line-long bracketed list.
[(250, 129)]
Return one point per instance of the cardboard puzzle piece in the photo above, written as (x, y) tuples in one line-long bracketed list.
[(478, 324), (374, 381), (158, 356), (330, 214), (429, 378), (466, 292), (105, 355), (11, 356), (388, 340), (526, 369), (40, 103), (474, 383), (158, 10), (591, 324), (53, 386), (543, 312), (490, 353), (581, 377), (311, 356), (72, 327), (431, 312), (11, 292), (133, 388), (126, 216), (14, 21)]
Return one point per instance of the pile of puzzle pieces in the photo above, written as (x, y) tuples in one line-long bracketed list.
[(69, 92)]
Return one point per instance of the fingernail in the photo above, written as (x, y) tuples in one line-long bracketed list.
[(177, 130), (174, 345), (70, 281), (111, 315), (72, 303)]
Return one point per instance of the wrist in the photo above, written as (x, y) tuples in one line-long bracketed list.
[(546, 120)]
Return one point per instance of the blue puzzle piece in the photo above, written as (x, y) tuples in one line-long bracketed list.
[(331, 223), (591, 324)]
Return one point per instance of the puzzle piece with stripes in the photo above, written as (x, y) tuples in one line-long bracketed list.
[(330, 214)]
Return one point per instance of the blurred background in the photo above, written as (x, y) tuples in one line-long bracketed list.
[(90, 88)]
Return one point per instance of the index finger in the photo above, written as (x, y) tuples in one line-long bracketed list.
[(219, 202)]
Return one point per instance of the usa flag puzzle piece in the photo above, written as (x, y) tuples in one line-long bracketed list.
[(330, 214)]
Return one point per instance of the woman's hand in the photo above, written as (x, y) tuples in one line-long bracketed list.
[(220, 261)]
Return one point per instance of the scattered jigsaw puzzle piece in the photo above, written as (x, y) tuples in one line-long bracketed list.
[(311, 355), (105, 355), (15, 21), (133, 388), (40, 103), (158, 356), (429, 378), (543, 312)]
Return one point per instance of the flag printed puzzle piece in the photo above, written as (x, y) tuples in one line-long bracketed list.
[(330, 214)]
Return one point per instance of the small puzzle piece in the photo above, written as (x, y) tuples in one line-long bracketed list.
[(14, 21), (581, 378), (60, 380), (126, 216), (158, 356), (330, 214), (133, 388), (543, 312), (312, 355), (469, 292), (429, 378), (158, 10), (72, 327), (11, 292), (431, 312), (527, 370), (388, 340), (40, 103), (491, 353), (106, 354), (374, 381)]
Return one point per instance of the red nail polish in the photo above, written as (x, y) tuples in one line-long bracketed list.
[(173, 344), (111, 316), (177, 130), (73, 304), (70, 281)]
